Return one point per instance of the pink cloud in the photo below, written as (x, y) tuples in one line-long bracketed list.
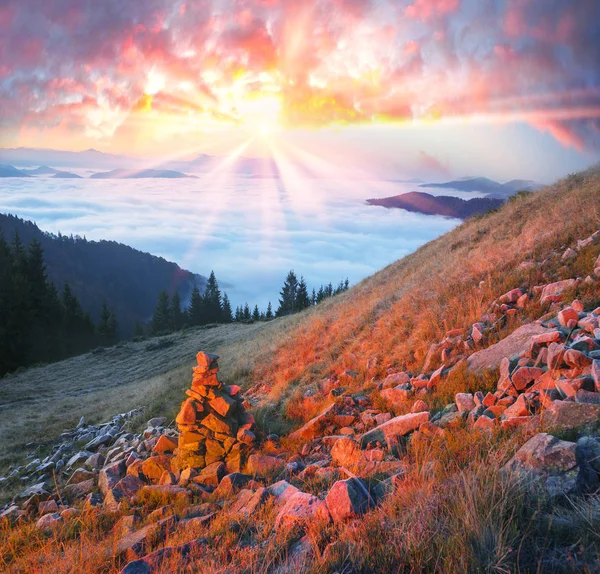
[(562, 133), (427, 9)]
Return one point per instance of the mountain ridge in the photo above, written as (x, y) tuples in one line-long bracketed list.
[(447, 206), (128, 279)]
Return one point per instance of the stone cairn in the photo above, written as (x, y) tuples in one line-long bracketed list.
[(213, 424)]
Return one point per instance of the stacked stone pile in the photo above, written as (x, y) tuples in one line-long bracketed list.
[(213, 424)]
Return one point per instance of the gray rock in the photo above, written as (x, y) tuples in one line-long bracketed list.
[(78, 458), (157, 422), (588, 460), (39, 489), (548, 461), (100, 440)]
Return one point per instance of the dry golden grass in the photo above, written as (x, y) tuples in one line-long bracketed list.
[(396, 314), (454, 511)]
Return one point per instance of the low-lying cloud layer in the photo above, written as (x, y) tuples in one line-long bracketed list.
[(131, 72), (251, 232)]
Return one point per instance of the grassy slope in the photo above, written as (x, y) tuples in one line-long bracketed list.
[(393, 316), (455, 511), (39, 403), (397, 313)]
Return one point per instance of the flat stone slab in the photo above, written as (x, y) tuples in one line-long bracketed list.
[(398, 426), (510, 346), (571, 415)]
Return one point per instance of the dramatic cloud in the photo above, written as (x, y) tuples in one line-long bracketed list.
[(107, 70)]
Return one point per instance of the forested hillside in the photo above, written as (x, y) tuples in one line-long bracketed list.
[(97, 271)]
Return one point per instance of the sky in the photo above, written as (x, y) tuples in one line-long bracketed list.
[(503, 88)]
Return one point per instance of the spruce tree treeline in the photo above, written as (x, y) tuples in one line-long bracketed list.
[(37, 323), (214, 307), (294, 295), (203, 309)]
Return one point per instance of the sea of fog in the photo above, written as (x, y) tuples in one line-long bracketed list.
[(251, 232)]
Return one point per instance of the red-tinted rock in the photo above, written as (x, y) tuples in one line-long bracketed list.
[(397, 426), (164, 444), (395, 394), (555, 291), (544, 453), (570, 414), (187, 413), (556, 355), (346, 452), (523, 376), (348, 499), (419, 407), (464, 402), (313, 427), (300, 509), (566, 315), (154, 466), (518, 409), (110, 475), (264, 465), (576, 359)]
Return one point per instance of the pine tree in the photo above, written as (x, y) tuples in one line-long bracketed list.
[(313, 297), (113, 327), (212, 300), (320, 294), (176, 315), (227, 315), (161, 320), (269, 313), (138, 331), (239, 314), (247, 316), (256, 314), (195, 310), (302, 300), (103, 325), (287, 302)]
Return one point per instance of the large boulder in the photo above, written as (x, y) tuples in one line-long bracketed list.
[(570, 414), (544, 453), (514, 344), (398, 426), (348, 499), (547, 460), (300, 509)]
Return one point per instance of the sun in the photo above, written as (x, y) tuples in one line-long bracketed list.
[(260, 114)]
